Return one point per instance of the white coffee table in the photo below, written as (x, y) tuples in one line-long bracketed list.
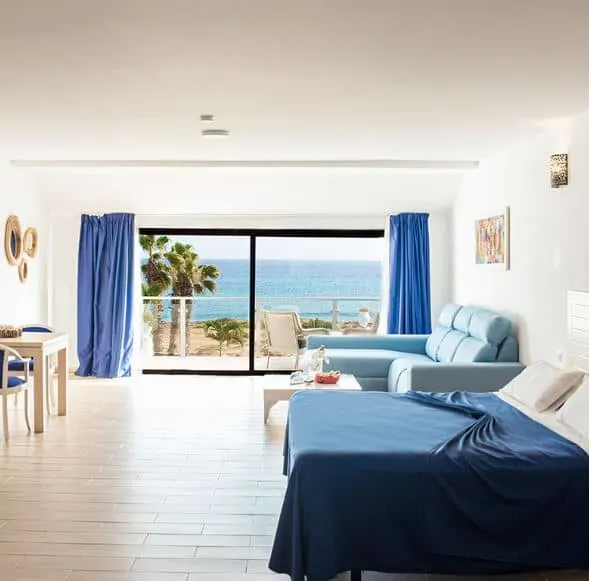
[(278, 388)]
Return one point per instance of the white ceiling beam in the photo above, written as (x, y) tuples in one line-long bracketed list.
[(407, 164)]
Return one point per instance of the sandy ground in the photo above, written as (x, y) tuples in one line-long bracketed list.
[(199, 344)]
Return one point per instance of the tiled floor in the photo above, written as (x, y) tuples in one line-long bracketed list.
[(165, 479), (225, 363)]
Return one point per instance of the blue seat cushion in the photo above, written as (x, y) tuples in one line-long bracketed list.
[(15, 381), (472, 350), (366, 362), (19, 366), (36, 329), (399, 371)]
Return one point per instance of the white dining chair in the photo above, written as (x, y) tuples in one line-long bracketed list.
[(16, 368), (13, 385)]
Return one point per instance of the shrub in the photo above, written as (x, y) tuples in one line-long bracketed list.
[(317, 324)]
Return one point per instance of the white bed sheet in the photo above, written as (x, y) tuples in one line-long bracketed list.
[(549, 419)]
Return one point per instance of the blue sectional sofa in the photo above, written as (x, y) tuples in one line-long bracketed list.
[(471, 349)]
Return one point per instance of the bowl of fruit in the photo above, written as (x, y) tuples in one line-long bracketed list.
[(327, 377)]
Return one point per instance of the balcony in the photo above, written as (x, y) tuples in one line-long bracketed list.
[(177, 330)]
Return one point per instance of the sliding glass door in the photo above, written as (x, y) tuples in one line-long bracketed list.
[(196, 302), (211, 296), (331, 285)]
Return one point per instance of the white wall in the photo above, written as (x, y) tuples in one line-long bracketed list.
[(257, 191), (65, 231), (22, 303), (549, 243)]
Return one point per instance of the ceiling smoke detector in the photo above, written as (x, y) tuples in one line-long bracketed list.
[(215, 133)]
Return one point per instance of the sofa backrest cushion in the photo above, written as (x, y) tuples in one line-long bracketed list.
[(508, 350), (462, 319), (449, 346), (473, 350), (448, 315), (434, 341), (471, 334), (489, 327)]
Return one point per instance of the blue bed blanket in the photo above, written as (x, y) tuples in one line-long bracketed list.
[(418, 482)]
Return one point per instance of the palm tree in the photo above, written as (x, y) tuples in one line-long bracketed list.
[(157, 280), (225, 332), (188, 279)]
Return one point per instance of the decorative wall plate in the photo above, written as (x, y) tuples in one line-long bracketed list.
[(13, 243), (23, 271), (31, 242)]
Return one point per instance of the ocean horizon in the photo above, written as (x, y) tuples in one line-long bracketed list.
[(305, 286)]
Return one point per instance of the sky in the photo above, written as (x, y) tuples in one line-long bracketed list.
[(237, 247)]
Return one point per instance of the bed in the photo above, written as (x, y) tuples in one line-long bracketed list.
[(457, 483)]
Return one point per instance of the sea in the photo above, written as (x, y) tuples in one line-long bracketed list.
[(306, 286)]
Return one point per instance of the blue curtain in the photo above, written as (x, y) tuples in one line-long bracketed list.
[(409, 297), (105, 295)]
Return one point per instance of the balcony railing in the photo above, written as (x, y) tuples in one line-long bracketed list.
[(337, 312)]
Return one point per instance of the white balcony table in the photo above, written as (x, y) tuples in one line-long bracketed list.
[(39, 346)]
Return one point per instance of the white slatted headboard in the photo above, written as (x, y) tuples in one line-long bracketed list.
[(578, 323)]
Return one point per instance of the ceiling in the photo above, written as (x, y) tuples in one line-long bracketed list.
[(292, 80)]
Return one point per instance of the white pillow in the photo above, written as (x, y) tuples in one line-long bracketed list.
[(541, 385), (575, 412)]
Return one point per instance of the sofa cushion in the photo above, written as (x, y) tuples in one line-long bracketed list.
[(489, 327), (462, 319), (448, 315), (508, 350), (362, 362), (399, 371), (449, 345), (472, 350), (434, 340), (368, 362)]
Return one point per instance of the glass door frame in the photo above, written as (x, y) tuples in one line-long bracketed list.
[(253, 234)]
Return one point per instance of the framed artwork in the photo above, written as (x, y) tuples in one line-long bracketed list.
[(492, 239)]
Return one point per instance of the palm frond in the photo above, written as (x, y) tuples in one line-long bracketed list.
[(146, 242), (209, 285), (209, 271), (162, 242)]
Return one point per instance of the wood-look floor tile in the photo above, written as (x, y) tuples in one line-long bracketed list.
[(234, 577), (233, 552), (190, 565), (239, 529), (132, 576), (35, 575), (70, 537), (262, 540), (75, 563), (257, 566), (97, 550), (199, 540)]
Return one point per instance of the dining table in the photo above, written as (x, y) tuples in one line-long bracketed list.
[(39, 347)]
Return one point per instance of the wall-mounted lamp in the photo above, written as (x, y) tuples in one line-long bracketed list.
[(559, 170)]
